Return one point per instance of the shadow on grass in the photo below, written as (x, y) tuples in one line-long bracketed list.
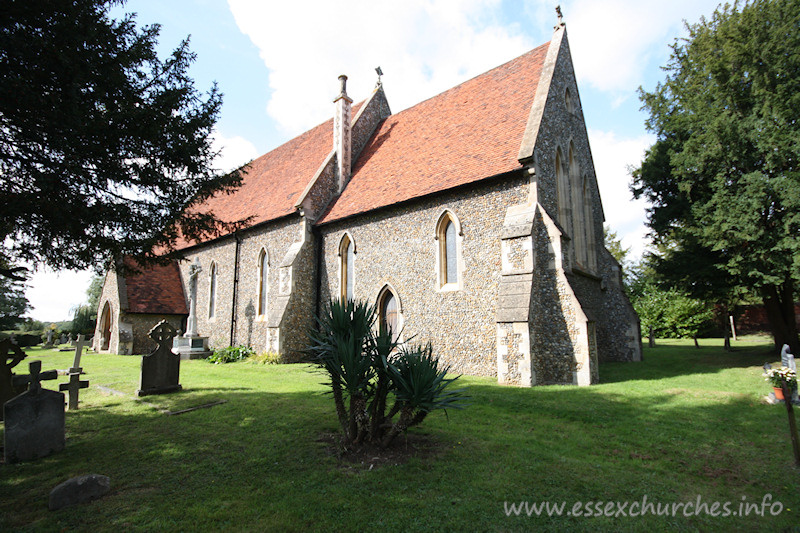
[(673, 360), (256, 463), (683, 423)]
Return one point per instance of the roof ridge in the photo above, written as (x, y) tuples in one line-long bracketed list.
[(476, 76)]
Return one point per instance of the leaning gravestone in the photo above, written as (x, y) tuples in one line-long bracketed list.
[(787, 359), (10, 356), (161, 368), (75, 383), (35, 419)]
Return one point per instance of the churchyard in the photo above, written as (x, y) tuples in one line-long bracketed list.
[(684, 424)]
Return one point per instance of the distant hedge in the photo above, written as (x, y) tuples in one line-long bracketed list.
[(23, 339)]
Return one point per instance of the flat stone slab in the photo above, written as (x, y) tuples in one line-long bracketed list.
[(79, 490)]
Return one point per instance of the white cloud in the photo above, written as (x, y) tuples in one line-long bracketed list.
[(234, 151), (613, 42), (423, 47), (53, 294), (612, 158)]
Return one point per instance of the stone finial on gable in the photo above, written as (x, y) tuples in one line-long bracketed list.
[(560, 18), (342, 134)]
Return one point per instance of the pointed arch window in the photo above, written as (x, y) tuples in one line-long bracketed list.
[(389, 313), (563, 193), (569, 101), (212, 290), (578, 219), (106, 319), (448, 260), (347, 254), (263, 282)]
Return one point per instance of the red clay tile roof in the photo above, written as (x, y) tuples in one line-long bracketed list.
[(470, 132), (156, 290), (272, 185)]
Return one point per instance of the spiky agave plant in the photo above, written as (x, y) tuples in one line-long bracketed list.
[(365, 366), (419, 387), (340, 347)]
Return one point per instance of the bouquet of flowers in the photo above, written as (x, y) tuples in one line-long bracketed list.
[(784, 373)]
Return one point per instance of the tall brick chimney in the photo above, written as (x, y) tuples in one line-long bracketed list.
[(342, 134)]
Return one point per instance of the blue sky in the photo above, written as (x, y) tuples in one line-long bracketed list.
[(277, 64)]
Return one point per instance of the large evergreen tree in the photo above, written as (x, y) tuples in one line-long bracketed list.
[(104, 148), (723, 177)]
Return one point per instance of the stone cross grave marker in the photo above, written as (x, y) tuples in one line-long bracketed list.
[(75, 383), (34, 420), (10, 356), (49, 339), (160, 368)]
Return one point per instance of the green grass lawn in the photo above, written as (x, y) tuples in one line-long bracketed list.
[(685, 423)]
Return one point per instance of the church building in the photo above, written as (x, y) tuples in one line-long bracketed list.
[(472, 220)]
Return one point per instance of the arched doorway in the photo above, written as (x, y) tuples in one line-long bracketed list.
[(105, 327), (389, 312)]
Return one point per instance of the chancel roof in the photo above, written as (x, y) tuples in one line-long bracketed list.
[(468, 133), (156, 289)]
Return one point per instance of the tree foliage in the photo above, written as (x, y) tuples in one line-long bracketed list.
[(723, 176), (95, 291), (13, 303), (105, 149)]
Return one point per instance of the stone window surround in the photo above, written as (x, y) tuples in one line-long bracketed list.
[(106, 315), (569, 102), (344, 242), (389, 289), (262, 312), (212, 291), (448, 215)]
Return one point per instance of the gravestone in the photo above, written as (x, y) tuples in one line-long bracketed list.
[(49, 343), (34, 420), (10, 356), (62, 339), (79, 490), (75, 383), (787, 359), (160, 368)]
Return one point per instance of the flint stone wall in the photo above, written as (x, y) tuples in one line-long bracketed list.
[(397, 247), (251, 329)]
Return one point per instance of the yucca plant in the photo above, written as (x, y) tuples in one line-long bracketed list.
[(340, 347), (365, 366), (419, 388)]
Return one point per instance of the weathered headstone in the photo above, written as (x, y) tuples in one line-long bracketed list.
[(160, 368), (10, 356), (75, 383), (787, 359), (78, 490), (49, 343), (34, 420), (63, 339)]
